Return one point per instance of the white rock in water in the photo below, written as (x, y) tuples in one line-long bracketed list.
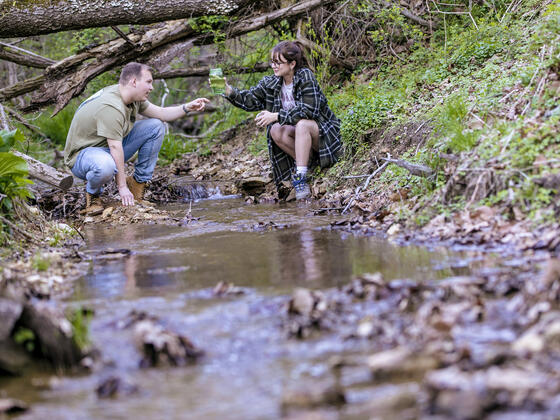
[(388, 360), (302, 301), (394, 229), (530, 342), (63, 227)]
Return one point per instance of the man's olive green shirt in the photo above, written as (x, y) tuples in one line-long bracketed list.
[(102, 116)]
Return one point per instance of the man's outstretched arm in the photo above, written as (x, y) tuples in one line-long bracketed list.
[(171, 113), (116, 150)]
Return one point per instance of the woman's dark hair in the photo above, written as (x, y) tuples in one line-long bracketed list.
[(291, 51)]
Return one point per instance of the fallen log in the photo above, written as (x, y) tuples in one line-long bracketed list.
[(45, 173), (68, 78), (413, 168)]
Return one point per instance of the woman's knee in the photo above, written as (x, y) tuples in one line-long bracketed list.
[(307, 125), (278, 134)]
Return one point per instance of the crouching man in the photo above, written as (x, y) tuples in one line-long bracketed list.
[(104, 134)]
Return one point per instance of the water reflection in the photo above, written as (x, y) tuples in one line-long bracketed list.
[(174, 259)]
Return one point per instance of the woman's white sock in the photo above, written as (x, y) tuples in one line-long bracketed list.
[(302, 170)]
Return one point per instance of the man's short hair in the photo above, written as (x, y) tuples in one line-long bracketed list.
[(132, 70)]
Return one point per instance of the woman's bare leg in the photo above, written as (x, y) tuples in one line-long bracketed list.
[(306, 137), (284, 137), (297, 141)]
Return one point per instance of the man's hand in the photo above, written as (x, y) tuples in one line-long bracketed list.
[(127, 198), (197, 105), (265, 118)]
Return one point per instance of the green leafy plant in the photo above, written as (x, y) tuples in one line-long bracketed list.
[(13, 172), (40, 262), (175, 146), (80, 319), (25, 337)]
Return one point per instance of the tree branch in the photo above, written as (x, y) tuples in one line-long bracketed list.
[(68, 78), (204, 71), (25, 58)]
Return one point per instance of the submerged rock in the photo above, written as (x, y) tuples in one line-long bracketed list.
[(160, 346), (400, 363), (10, 312), (313, 395), (12, 406), (114, 386)]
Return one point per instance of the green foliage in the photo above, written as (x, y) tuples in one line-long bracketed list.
[(40, 262), (80, 319), (175, 146), (212, 24), (450, 122), (56, 128), (8, 139), (258, 145), (369, 110), (26, 338), (13, 173), (89, 37)]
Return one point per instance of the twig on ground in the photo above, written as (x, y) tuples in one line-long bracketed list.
[(18, 230), (363, 187), (413, 168)]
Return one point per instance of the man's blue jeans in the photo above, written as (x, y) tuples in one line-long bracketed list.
[(96, 165)]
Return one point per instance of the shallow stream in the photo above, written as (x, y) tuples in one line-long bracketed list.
[(249, 361)]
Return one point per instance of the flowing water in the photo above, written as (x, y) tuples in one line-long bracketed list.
[(249, 361)]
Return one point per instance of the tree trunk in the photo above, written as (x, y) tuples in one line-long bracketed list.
[(45, 173), (27, 18)]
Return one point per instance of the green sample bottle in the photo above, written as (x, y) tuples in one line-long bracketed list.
[(217, 81)]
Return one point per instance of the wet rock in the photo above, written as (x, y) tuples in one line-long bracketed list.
[(400, 362), (53, 333), (313, 395), (543, 335), (470, 395), (394, 230), (114, 386), (388, 402), (10, 312), (307, 311), (13, 358), (253, 186), (12, 406), (162, 347), (227, 289), (367, 286), (302, 302)]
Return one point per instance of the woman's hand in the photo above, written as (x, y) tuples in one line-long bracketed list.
[(228, 87), (265, 118), (197, 105)]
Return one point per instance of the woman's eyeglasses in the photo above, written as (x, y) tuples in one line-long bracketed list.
[(276, 63)]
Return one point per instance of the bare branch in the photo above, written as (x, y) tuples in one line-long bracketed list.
[(25, 58), (204, 71)]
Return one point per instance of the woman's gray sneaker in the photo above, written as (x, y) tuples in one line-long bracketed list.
[(299, 183)]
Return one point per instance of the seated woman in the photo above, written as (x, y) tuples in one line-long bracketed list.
[(300, 125)]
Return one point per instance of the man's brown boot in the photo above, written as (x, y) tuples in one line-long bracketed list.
[(94, 206), (136, 188)]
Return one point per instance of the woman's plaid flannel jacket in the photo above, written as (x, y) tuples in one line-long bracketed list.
[(311, 104)]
